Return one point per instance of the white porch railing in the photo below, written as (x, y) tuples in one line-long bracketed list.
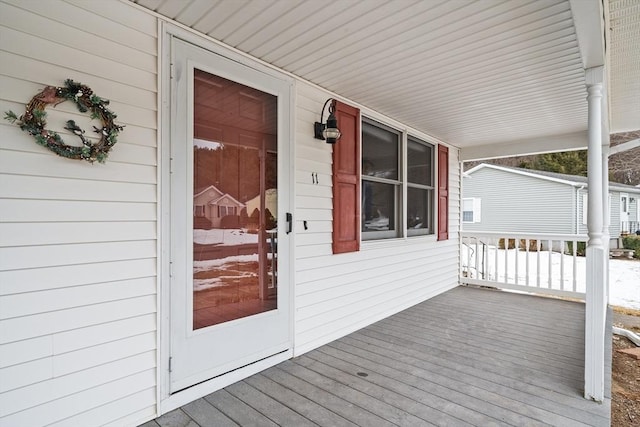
[(630, 227), (536, 263)]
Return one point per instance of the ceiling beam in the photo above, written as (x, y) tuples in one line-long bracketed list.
[(625, 146), (588, 18), (524, 147)]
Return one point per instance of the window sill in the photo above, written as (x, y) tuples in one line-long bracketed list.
[(397, 242)]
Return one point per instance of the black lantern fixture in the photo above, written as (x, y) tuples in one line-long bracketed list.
[(328, 131)]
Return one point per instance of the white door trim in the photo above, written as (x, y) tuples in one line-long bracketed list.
[(165, 401), (625, 215)]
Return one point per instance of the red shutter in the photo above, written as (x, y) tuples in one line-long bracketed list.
[(346, 181), (443, 192)]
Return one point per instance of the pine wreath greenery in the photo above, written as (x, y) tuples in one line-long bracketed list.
[(33, 121)]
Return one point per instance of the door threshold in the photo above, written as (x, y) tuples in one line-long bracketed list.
[(189, 394)]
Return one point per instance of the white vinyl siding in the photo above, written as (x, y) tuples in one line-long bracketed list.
[(512, 202), (337, 294), (78, 241)]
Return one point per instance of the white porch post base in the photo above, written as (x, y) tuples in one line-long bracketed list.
[(597, 249), (595, 324)]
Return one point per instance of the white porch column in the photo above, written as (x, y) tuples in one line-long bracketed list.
[(606, 209), (606, 152), (596, 250)]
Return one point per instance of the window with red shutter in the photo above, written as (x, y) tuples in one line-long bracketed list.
[(346, 181), (443, 192)]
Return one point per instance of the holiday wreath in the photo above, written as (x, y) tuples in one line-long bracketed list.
[(33, 121)]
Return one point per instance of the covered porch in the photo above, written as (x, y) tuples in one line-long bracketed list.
[(492, 79), (466, 357)]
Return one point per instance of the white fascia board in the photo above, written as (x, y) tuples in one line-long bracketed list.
[(538, 145), (631, 190), (524, 173), (612, 186)]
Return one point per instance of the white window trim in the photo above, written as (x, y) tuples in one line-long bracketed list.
[(626, 204), (402, 185), (430, 230), (398, 185), (476, 210)]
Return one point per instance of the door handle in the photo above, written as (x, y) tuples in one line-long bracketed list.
[(289, 222)]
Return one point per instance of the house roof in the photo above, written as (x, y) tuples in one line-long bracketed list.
[(573, 180), (226, 196), (200, 191), (475, 74), (221, 196)]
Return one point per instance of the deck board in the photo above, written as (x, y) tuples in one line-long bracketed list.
[(466, 357)]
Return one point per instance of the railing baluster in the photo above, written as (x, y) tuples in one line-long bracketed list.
[(488, 269), (469, 252), (562, 264), (575, 265), (495, 279), (475, 263), (516, 243), (538, 244), (550, 243), (506, 260), (526, 242)]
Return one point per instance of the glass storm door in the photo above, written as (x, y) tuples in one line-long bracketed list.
[(229, 299)]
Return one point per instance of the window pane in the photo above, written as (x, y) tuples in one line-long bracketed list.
[(467, 216), (418, 209), (419, 159), (378, 206), (379, 152)]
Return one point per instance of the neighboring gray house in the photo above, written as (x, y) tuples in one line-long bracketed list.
[(507, 199)]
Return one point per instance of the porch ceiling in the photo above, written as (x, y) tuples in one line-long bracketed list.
[(470, 73)]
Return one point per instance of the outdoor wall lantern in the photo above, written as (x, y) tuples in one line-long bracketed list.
[(328, 131)]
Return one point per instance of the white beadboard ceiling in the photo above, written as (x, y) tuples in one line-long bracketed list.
[(471, 73)]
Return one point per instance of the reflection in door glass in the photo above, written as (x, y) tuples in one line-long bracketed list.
[(235, 201)]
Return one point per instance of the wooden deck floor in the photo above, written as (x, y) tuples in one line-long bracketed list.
[(467, 357)]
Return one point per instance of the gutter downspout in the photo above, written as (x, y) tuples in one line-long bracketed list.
[(578, 210), (633, 337)]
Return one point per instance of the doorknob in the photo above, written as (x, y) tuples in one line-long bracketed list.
[(289, 222)]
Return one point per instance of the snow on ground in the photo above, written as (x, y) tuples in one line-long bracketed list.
[(212, 264), (202, 284), (227, 264), (624, 275), (229, 237), (216, 282), (624, 283)]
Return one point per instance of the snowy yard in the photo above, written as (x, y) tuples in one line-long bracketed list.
[(225, 237), (537, 269)]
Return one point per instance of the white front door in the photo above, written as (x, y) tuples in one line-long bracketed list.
[(229, 199), (624, 212)]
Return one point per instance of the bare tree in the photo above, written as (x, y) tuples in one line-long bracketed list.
[(625, 167)]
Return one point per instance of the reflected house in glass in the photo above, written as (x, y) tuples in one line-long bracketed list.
[(213, 205)]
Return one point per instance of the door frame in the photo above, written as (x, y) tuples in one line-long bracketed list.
[(165, 401), (627, 213)]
